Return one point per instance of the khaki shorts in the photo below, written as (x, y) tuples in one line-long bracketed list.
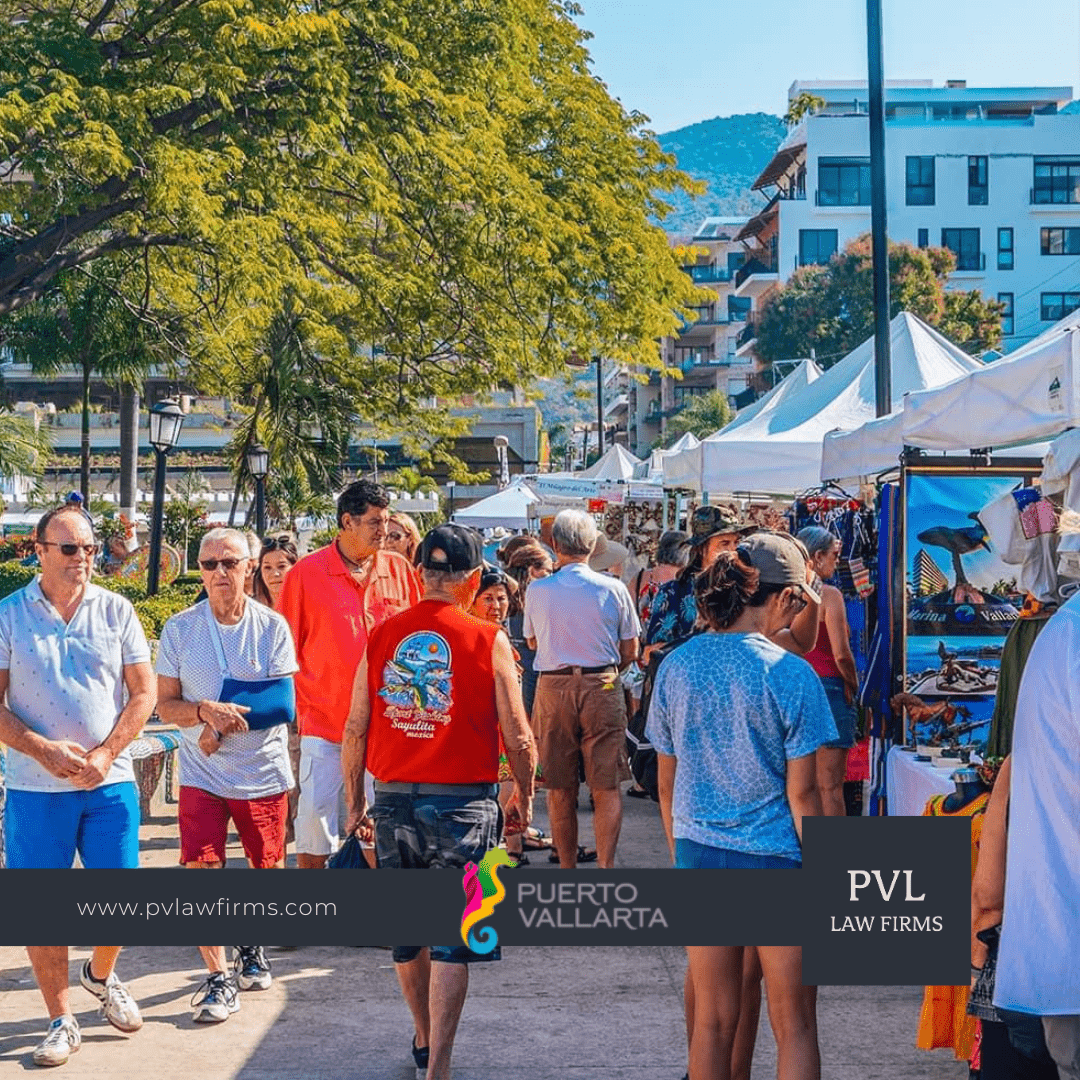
[(583, 714)]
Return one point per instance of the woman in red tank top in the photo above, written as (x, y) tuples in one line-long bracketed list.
[(831, 658)]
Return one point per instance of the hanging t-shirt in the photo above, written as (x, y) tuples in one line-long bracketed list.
[(247, 764), (734, 709), (1039, 959)]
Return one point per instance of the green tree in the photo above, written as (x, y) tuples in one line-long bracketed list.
[(706, 414), (803, 104), (24, 445), (84, 321), (830, 309), (449, 194)]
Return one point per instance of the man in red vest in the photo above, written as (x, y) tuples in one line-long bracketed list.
[(432, 695)]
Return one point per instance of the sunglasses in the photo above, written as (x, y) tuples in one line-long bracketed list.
[(210, 565), (395, 536), (89, 550)]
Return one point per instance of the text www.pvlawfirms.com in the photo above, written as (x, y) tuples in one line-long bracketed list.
[(195, 909)]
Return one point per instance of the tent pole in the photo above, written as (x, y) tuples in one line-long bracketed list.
[(878, 212)]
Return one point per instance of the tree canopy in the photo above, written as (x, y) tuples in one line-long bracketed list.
[(704, 415), (445, 193), (830, 308)]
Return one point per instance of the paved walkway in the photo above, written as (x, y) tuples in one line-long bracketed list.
[(334, 1012)]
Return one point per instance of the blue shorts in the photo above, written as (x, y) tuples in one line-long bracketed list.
[(44, 829), (690, 855), (845, 715), (420, 832)]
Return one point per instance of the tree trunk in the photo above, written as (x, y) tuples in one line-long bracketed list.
[(129, 450), (84, 448)]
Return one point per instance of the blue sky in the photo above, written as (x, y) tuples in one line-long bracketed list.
[(681, 61)]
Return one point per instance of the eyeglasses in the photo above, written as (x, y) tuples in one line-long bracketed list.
[(395, 536), (89, 550), (210, 565)]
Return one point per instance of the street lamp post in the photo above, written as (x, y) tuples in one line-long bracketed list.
[(450, 485), (258, 463), (166, 420), (502, 449)]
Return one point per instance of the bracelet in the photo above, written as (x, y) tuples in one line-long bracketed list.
[(976, 972)]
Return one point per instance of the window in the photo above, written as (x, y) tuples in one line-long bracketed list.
[(920, 181), (1006, 301), (1059, 241), (1005, 249), (1057, 180), (964, 244), (816, 246), (843, 182), (1056, 305), (683, 395), (924, 238), (738, 308), (978, 181), (735, 260)]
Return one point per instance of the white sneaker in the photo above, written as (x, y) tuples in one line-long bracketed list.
[(251, 967), (60, 1043), (215, 1000), (117, 1004)]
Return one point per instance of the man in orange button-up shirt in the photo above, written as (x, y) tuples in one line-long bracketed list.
[(332, 600)]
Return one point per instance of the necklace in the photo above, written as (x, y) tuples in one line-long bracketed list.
[(357, 569)]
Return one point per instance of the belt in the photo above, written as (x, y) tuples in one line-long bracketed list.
[(576, 669), (468, 791)]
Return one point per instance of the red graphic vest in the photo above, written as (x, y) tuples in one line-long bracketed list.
[(432, 691)]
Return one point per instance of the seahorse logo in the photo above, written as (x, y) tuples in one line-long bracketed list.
[(483, 891)]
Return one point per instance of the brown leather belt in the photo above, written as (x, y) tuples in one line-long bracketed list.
[(578, 670)]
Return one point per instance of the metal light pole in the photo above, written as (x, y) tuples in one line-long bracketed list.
[(600, 405), (879, 230), (450, 485), (166, 420), (502, 450), (258, 463)]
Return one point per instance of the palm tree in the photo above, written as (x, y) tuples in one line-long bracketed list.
[(704, 415), (24, 446), (301, 410), (85, 322)]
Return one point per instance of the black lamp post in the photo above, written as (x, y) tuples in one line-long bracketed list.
[(450, 485), (258, 463), (166, 420)]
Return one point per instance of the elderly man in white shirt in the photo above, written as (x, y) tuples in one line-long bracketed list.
[(584, 628)]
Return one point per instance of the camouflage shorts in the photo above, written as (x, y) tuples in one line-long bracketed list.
[(421, 832)]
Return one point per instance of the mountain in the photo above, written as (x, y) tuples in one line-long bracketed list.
[(728, 152)]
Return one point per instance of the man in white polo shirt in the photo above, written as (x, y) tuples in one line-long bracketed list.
[(77, 687), (584, 628), (75, 669), (1038, 967)]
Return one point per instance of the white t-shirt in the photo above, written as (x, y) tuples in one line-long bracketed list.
[(1038, 968), (578, 617), (248, 764), (66, 680)]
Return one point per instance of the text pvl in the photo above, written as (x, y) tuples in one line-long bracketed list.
[(886, 894)]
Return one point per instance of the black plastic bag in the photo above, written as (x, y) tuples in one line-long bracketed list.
[(350, 856)]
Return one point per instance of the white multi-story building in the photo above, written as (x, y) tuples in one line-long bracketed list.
[(993, 174), (705, 349)]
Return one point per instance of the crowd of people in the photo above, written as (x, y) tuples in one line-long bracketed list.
[(400, 689)]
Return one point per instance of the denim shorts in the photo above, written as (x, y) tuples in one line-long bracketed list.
[(44, 829), (690, 855), (422, 832), (844, 714)]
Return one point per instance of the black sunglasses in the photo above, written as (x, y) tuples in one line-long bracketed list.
[(71, 549), (210, 565)]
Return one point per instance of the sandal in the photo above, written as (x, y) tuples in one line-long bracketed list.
[(521, 859), (637, 793), (535, 840), (583, 856)]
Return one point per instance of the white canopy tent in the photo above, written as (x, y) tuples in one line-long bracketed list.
[(687, 441), (508, 508), (1031, 394), (616, 464), (778, 447)]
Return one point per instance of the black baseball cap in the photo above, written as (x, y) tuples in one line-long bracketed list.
[(453, 548)]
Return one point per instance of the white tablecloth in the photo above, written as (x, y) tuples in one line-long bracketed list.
[(909, 783)]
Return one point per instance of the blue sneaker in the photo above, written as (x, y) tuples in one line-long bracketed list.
[(251, 967), (215, 1000)]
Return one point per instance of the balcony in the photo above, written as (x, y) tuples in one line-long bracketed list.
[(745, 335), (755, 277), (830, 202), (1054, 199), (970, 262), (707, 319), (706, 275)]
